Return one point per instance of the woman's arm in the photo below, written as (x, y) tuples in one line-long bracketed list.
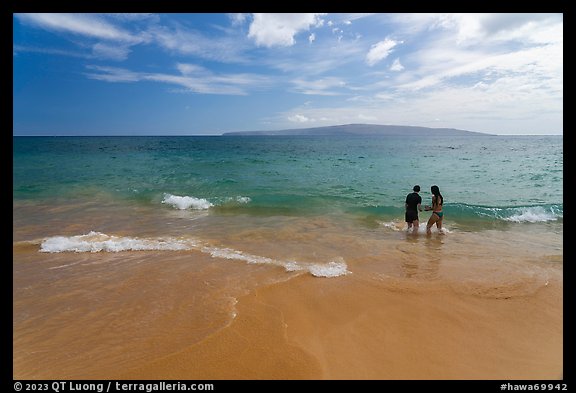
[(428, 208)]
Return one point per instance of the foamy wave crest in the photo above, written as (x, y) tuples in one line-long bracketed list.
[(100, 242), (190, 202), (186, 202), (228, 253), (241, 200), (97, 242), (433, 229), (330, 269), (519, 214), (393, 225), (533, 214), (398, 226)]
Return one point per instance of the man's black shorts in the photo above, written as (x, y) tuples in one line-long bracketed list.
[(411, 215)]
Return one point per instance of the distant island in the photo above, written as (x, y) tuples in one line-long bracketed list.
[(363, 129)]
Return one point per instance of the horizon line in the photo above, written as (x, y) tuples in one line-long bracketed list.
[(227, 132), (262, 132)]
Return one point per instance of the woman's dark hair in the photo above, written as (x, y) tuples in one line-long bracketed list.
[(436, 192)]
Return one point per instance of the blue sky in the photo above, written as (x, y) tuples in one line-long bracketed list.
[(204, 74)]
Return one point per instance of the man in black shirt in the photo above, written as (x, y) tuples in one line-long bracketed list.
[(413, 202)]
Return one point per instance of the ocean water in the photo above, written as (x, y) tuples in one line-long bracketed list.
[(117, 239), (490, 179)]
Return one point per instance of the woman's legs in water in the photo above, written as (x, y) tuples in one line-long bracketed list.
[(439, 225), (434, 219)]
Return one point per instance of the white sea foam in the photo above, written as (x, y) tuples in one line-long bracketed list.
[(433, 229), (190, 202), (393, 225), (532, 214), (331, 269), (228, 253), (186, 202), (398, 226), (239, 199), (100, 242), (97, 242)]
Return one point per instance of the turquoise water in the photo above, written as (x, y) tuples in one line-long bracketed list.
[(486, 179)]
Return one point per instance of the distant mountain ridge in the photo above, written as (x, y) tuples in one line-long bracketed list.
[(363, 129)]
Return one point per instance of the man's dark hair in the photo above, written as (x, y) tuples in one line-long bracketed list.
[(416, 189)]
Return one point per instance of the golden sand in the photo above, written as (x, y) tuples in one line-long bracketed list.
[(349, 328)]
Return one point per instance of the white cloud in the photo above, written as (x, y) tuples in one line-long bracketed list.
[(509, 104), (194, 85), (238, 18), (193, 79), (188, 69), (364, 117), (321, 86), (314, 60), (356, 16), (441, 66), (82, 24), (514, 60), (224, 49), (311, 38), (396, 66), (380, 51), (133, 16), (298, 118), (111, 52), (50, 51), (384, 96), (475, 28), (481, 29), (113, 74), (279, 29), (147, 29)]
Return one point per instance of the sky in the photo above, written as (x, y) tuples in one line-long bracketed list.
[(205, 74)]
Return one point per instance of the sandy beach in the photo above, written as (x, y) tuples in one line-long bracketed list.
[(455, 306), (348, 328)]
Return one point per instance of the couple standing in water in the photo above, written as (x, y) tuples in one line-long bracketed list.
[(413, 205)]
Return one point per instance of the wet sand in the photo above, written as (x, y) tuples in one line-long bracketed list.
[(353, 328)]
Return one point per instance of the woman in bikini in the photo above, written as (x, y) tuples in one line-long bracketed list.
[(437, 214)]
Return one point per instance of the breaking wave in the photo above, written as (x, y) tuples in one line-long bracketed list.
[(193, 203), (100, 242)]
